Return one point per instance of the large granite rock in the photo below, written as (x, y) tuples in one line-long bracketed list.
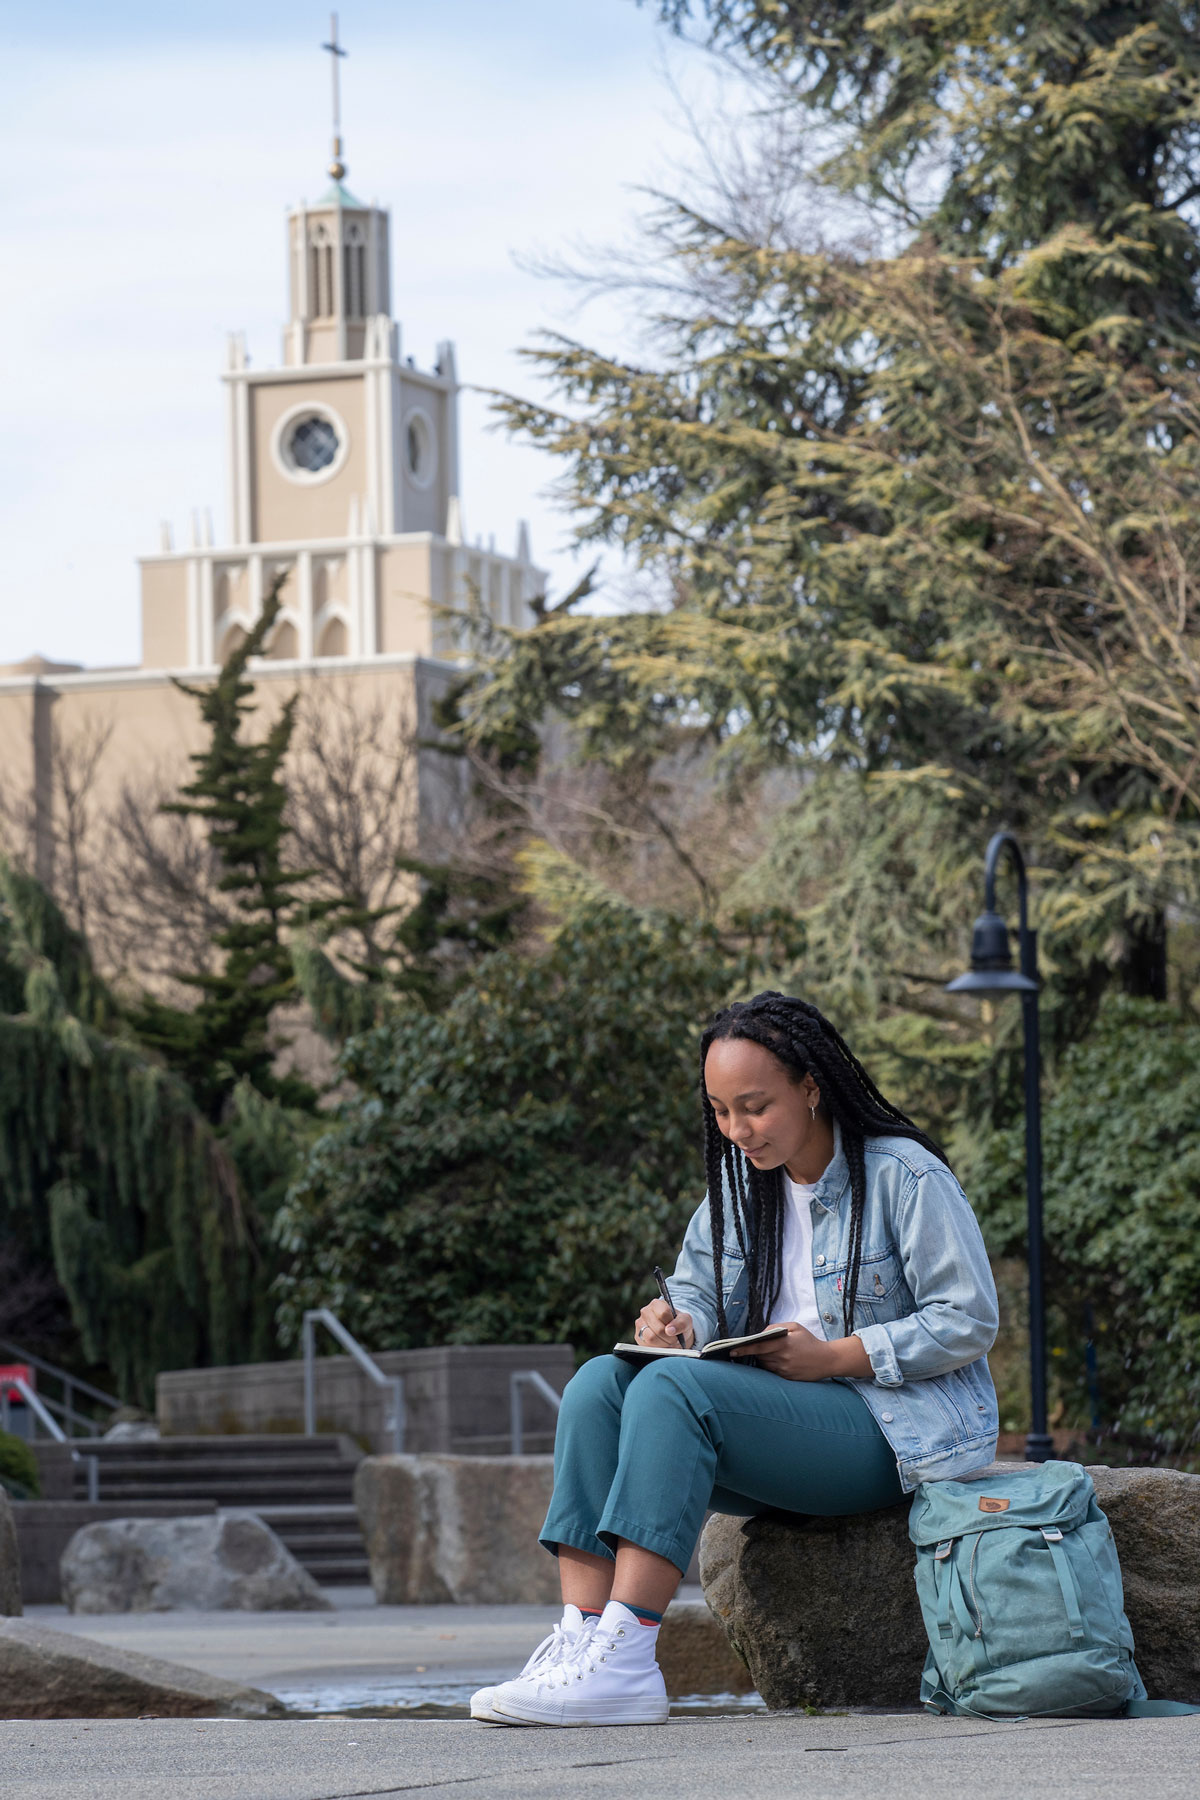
[(10, 1561), (695, 1655), (825, 1612), (46, 1674), (1155, 1516), (229, 1561), (460, 1528)]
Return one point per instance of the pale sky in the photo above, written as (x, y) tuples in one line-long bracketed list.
[(151, 151)]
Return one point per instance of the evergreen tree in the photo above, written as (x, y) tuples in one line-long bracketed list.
[(901, 504), (1060, 138), (110, 1175), (239, 794)]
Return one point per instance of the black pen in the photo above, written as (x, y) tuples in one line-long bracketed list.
[(664, 1290)]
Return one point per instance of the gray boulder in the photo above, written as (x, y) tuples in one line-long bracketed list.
[(695, 1655), (460, 1528), (825, 1612), (46, 1674), (10, 1561), (228, 1561), (1155, 1516)]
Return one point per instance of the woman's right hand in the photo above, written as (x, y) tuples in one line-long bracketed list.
[(657, 1330)]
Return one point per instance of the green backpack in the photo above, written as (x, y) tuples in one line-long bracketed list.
[(1020, 1587)]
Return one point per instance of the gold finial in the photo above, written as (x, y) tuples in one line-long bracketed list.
[(337, 167)]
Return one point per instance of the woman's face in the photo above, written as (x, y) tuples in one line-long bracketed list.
[(763, 1111)]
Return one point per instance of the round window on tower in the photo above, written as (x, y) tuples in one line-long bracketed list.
[(418, 448), (313, 444), (309, 443)]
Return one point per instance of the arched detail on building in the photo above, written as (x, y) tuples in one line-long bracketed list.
[(320, 272), (230, 638), (284, 644), (354, 271), (228, 623), (333, 637)]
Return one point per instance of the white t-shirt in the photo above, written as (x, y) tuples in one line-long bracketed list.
[(797, 1294)]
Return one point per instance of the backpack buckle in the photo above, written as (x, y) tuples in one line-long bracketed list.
[(1051, 1534), (943, 1550)]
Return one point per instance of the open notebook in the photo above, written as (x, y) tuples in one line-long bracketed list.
[(718, 1351)]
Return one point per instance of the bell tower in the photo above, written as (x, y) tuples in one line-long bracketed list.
[(342, 472), (337, 259)]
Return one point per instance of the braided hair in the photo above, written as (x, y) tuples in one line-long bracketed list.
[(804, 1041)]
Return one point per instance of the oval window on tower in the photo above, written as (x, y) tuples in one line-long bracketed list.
[(418, 448)]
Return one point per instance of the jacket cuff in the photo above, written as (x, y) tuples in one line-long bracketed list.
[(876, 1341)]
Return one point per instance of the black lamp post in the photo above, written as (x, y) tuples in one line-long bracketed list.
[(992, 972)]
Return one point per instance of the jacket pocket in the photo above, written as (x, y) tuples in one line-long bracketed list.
[(882, 1291)]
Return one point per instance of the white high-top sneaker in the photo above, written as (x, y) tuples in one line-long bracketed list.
[(552, 1651), (611, 1678)]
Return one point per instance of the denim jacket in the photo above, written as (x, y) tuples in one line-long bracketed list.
[(925, 1310)]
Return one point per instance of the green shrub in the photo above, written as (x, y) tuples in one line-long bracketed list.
[(1122, 1219), (18, 1468), (511, 1168)]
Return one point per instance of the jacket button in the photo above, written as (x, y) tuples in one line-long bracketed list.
[(983, 1409), (828, 1318), (820, 1260), (887, 1418)]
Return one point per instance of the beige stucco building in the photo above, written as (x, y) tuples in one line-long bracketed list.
[(343, 477)]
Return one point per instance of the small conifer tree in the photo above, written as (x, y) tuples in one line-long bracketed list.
[(239, 794)]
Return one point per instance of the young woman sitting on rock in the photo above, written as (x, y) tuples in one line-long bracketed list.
[(830, 1211)]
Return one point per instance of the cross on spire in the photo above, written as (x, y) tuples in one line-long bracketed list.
[(337, 167)]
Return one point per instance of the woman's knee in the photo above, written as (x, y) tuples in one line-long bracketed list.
[(600, 1382), (665, 1386)]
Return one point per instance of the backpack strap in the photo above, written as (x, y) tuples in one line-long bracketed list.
[(953, 1608), (1066, 1580), (1158, 1709)]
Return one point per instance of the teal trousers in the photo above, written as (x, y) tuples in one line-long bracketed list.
[(643, 1454)]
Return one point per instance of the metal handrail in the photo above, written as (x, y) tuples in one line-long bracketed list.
[(91, 1464), (394, 1384), (48, 1368), (71, 1385), (516, 1381)]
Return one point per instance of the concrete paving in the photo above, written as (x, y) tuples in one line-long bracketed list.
[(898, 1757), (360, 1655)]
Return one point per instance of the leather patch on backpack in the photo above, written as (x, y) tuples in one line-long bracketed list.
[(988, 1505)]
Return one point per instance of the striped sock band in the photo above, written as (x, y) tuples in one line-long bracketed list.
[(643, 1613)]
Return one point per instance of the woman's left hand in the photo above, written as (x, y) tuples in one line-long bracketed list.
[(802, 1356)]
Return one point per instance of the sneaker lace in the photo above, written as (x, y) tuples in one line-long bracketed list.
[(557, 1649), (590, 1649)]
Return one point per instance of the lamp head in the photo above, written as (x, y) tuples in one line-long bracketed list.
[(991, 970)]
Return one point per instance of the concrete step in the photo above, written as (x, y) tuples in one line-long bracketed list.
[(301, 1487), (337, 1571)]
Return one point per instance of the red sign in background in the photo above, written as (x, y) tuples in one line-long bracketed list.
[(12, 1372)]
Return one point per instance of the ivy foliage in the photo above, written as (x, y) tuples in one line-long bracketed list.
[(1121, 1133), (110, 1173), (510, 1168)]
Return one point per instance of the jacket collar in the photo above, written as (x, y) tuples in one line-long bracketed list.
[(836, 1179)]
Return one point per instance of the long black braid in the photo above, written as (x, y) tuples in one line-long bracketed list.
[(805, 1043)]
